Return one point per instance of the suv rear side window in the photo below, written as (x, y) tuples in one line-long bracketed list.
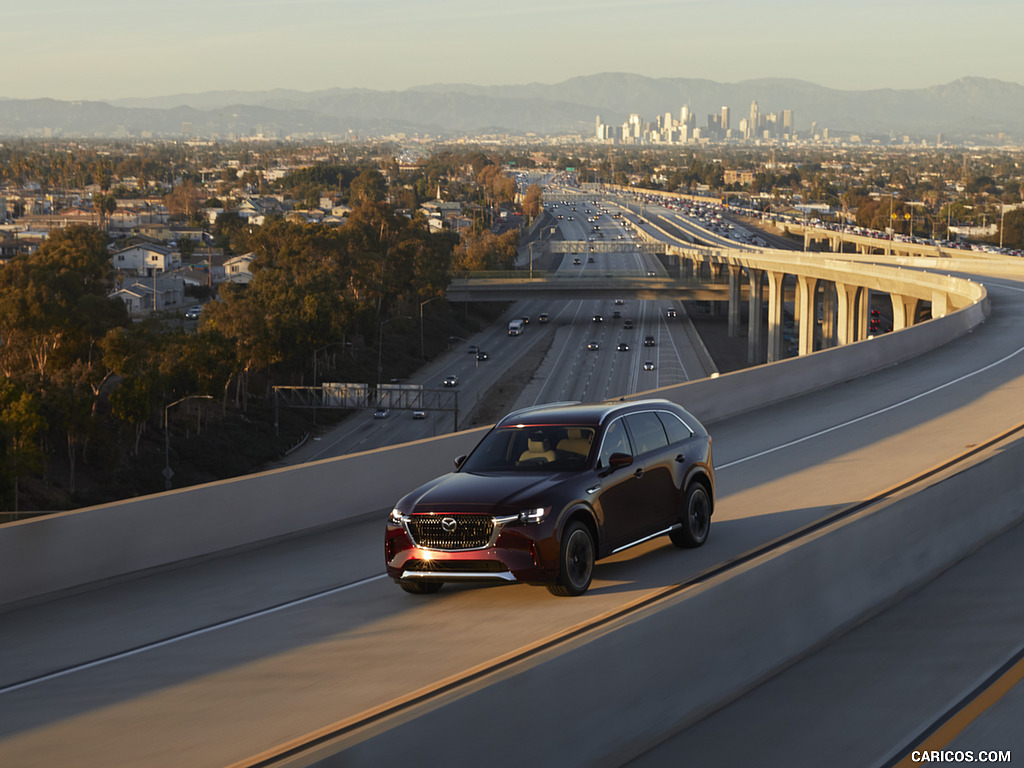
[(676, 429), (647, 432)]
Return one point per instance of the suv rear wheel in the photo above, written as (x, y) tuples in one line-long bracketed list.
[(695, 519), (576, 562)]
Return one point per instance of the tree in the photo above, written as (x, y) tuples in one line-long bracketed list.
[(1013, 228), (21, 426), (532, 201), (104, 206), (369, 186), (183, 200), (485, 250)]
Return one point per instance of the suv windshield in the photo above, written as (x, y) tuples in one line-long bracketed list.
[(544, 448)]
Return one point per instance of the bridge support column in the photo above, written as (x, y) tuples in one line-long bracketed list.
[(735, 275), (755, 317), (903, 311), (806, 298), (776, 301), (940, 304), (828, 315), (852, 314)]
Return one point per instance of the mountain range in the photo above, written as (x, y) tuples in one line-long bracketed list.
[(969, 108)]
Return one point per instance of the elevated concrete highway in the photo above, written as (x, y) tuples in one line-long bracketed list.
[(230, 623)]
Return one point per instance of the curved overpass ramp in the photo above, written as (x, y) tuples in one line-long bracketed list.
[(834, 495)]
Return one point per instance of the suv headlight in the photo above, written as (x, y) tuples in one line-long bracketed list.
[(396, 517), (534, 515)]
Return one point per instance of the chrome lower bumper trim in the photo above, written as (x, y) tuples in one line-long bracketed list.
[(456, 575)]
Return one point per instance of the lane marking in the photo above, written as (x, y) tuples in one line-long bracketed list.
[(185, 635), (866, 416)]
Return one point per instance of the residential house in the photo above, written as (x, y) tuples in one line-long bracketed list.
[(143, 296), (146, 259), (237, 268)]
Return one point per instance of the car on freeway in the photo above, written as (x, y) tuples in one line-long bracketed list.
[(590, 259), (473, 349), (627, 324), (623, 347), (543, 318), (593, 345), (648, 341), (381, 413), (193, 313), (576, 262), (551, 489), (598, 318), (651, 273), (451, 381), (649, 365), (419, 414), (618, 302), (481, 356), (670, 312), (616, 315)]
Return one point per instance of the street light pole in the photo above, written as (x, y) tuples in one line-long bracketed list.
[(316, 356), (168, 472), (423, 354), (380, 342)]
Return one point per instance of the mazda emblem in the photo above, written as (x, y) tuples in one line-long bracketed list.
[(449, 524)]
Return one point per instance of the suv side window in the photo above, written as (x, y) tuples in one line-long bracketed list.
[(677, 431), (615, 441), (647, 432)]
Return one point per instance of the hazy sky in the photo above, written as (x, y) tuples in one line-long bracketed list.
[(108, 49)]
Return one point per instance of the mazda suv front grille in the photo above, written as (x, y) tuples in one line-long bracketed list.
[(439, 531)]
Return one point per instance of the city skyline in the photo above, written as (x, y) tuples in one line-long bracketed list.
[(114, 49)]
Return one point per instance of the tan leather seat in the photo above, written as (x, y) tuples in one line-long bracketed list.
[(537, 448), (576, 441)]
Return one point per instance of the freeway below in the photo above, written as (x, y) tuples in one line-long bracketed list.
[(214, 662), (570, 357)]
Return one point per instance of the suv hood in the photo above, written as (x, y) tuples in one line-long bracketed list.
[(469, 492)]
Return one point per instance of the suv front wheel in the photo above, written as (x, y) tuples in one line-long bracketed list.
[(420, 587), (576, 562)]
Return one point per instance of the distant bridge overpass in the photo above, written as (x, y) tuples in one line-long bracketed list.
[(514, 286), (830, 297)]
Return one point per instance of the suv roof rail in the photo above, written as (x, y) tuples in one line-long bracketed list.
[(542, 407)]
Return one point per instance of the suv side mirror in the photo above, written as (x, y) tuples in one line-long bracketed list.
[(617, 460), (460, 460)]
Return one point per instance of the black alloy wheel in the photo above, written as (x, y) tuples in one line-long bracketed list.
[(420, 587), (696, 519), (576, 562)]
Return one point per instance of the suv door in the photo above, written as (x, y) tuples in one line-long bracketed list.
[(656, 470), (618, 497)]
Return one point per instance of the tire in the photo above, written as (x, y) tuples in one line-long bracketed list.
[(695, 519), (576, 561), (420, 587)]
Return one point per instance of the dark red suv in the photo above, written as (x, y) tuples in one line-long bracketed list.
[(551, 489)]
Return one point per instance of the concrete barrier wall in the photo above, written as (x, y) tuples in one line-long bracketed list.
[(605, 701), (70, 549)]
